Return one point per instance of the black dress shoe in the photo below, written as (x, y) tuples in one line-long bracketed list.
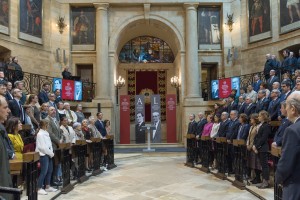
[(255, 181)]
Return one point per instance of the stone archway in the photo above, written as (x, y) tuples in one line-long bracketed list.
[(155, 27)]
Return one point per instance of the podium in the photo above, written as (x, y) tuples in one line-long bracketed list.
[(150, 128)]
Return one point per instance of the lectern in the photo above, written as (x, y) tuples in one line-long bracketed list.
[(150, 128)]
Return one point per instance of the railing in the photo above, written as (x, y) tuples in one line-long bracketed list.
[(245, 80), (33, 83)]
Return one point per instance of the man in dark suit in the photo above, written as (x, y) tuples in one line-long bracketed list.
[(56, 136), (274, 105), (43, 95), (156, 137), (192, 129), (20, 86), (288, 168), (241, 105), (5, 177), (250, 108), (15, 105), (256, 84), (8, 94), (263, 102), (140, 134), (272, 79), (285, 90), (231, 104), (215, 90), (200, 124), (100, 124), (232, 133), (57, 96), (284, 124), (224, 125)]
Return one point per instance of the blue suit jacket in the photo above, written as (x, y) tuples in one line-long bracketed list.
[(223, 129), (288, 168), (243, 134), (279, 133), (262, 105), (241, 108), (273, 109), (233, 129), (100, 127), (256, 85), (43, 97)]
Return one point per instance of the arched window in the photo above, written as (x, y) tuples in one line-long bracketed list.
[(146, 49)]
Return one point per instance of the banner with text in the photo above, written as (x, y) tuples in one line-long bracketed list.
[(155, 118), (224, 87), (139, 118), (171, 118), (67, 89), (124, 119)]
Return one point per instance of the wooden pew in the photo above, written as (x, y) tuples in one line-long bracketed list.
[(205, 142), (31, 160), (190, 149), (65, 165), (109, 143), (221, 157), (96, 150), (276, 153), (239, 163)]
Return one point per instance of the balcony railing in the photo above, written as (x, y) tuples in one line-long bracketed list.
[(245, 80), (33, 83)]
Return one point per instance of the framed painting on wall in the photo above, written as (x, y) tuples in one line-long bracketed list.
[(209, 37), (4, 16), (31, 20), (289, 15), (259, 20), (83, 28)]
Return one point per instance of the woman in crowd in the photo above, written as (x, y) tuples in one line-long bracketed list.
[(218, 109), (94, 130), (60, 109), (44, 148), (87, 135), (264, 86), (107, 126), (80, 136), (44, 110), (36, 116), (261, 146), (213, 135), (244, 127), (253, 161), (27, 119), (79, 113), (67, 131), (13, 126), (208, 126)]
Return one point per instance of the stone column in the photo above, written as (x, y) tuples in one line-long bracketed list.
[(191, 61), (102, 68)]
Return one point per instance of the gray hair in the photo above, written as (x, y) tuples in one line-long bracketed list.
[(262, 92), (276, 91), (91, 118), (76, 124), (295, 101), (235, 112), (226, 114)]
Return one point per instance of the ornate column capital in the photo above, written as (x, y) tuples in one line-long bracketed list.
[(101, 6)]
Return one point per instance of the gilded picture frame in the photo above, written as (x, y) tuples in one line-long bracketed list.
[(31, 20), (289, 15), (83, 28), (259, 20)]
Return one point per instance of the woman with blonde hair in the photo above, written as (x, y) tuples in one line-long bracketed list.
[(252, 158), (261, 146)]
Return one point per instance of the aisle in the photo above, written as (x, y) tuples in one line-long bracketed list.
[(155, 178)]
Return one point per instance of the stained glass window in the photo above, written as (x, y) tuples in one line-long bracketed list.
[(146, 49)]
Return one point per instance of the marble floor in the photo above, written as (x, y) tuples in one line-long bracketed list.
[(163, 177)]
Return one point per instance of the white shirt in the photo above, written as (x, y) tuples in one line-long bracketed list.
[(154, 131), (214, 130), (43, 144)]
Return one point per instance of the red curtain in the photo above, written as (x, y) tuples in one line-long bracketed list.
[(146, 80)]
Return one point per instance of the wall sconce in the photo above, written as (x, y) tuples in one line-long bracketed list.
[(175, 84), (230, 21), (120, 82), (61, 24)]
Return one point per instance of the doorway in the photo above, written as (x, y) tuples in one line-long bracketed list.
[(209, 72), (85, 71)]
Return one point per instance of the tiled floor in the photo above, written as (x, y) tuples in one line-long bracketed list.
[(162, 177)]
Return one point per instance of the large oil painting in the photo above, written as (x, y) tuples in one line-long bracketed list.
[(289, 15), (4, 16)]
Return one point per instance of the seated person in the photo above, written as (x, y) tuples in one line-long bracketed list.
[(13, 126)]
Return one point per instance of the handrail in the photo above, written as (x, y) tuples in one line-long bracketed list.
[(245, 80), (33, 83)]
